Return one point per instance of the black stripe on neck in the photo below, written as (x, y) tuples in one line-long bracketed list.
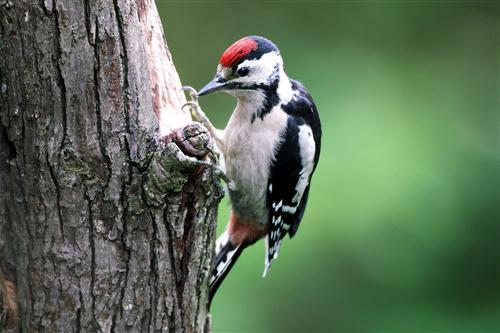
[(271, 98)]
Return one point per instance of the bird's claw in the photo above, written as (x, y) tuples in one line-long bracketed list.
[(192, 93), (196, 110), (217, 174), (191, 104)]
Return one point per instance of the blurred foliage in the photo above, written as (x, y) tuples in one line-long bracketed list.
[(402, 227)]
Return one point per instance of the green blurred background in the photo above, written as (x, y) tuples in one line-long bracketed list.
[(401, 231)]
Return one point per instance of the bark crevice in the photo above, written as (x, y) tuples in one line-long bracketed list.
[(88, 23), (11, 147), (97, 87), (58, 52), (58, 194), (124, 56), (95, 323)]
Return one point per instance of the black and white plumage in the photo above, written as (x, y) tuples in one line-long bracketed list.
[(294, 164), (270, 146)]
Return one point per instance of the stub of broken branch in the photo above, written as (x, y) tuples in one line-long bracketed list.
[(183, 153), (193, 140)]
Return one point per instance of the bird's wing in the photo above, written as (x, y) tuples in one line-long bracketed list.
[(288, 185)]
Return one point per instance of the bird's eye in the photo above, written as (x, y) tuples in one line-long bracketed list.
[(243, 71)]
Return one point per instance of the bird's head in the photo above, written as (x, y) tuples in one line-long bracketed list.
[(250, 64)]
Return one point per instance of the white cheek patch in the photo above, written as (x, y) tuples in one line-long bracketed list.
[(260, 69), (285, 91), (261, 72)]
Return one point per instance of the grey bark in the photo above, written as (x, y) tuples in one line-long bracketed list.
[(104, 225)]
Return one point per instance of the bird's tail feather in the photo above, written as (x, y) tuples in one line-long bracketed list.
[(226, 255)]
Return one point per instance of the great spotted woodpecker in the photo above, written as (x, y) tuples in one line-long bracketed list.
[(270, 146)]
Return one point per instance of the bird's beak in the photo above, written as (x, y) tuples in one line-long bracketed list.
[(218, 83)]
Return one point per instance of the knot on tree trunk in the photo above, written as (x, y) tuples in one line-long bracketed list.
[(193, 140), (181, 155)]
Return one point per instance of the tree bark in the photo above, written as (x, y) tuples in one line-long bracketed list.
[(106, 217)]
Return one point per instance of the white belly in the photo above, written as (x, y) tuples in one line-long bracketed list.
[(249, 151)]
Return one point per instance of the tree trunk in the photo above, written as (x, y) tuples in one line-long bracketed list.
[(106, 218)]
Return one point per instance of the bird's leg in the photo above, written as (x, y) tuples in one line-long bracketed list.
[(201, 117), (217, 134)]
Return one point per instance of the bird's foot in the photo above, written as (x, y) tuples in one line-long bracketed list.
[(196, 111), (199, 116), (218, 174)]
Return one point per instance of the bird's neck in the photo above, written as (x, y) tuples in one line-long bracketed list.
[(258, 103)]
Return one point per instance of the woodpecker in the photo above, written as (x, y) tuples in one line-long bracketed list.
[(270, 148)]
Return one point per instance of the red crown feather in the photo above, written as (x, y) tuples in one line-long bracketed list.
[(237, 51)]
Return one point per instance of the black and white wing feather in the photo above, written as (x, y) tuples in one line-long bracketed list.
[(290, 176)]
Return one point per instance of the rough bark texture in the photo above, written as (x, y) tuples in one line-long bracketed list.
[(104, 226)]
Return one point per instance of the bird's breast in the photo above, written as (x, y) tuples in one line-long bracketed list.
[(249, 151)]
